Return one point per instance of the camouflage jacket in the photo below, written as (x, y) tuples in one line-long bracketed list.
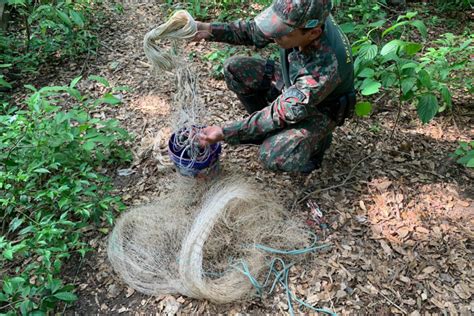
[(323, 71)]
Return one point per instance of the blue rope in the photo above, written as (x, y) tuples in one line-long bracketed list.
[(303, 251), (281, 276)]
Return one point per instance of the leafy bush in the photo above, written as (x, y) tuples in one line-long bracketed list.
[(54, 155), (465, 154), (45, 30), (223, 10), (218, 58)]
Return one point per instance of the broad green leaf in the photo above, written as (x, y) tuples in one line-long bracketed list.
[(64, 17), (54, 285), (3, 297), (411, 14), (466, 158), (27, 230), (408, 84), (99, 79), (470, 163), (388, 79), (15, 223), (8, 254), (63, 202), (366, 73), (110, 99), (391, 46), (446, 94), (25, 307), (420, 26), (81, 117), (7, 287), (427, 107), (368, 52), (409, 65), (363, 108), (370, 87), (4, 83), (348, 27), (30, 87), (76, 17), (377, 24), (412, 48), (425, 78), (53, 89), (41, 170), (88, 145), (20, 3), (66, 296)]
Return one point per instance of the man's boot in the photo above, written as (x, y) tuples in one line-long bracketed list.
[(253, 102), (323, 145)]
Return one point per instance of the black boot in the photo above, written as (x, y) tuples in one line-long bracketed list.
[(253, 102), (323, 145)]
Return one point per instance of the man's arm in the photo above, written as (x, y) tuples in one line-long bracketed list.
[(294, 105), (237, 33)]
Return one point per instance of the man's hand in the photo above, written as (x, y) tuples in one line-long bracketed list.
[(203, 31), (211, 135)]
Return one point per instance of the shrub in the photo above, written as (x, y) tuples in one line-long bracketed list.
[(53, 160)]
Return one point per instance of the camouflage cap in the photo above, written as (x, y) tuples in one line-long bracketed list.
[(283, 16)]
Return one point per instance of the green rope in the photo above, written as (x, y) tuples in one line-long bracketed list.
[(281, 276)]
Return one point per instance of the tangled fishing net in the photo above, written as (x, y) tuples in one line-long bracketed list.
[(196, 244), (188, 109), (214, 241)]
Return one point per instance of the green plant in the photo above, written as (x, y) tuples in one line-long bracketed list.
[(53, 183), (454, 5), (45, 31), (222, 10), (465, 154), (395, 67), (356, 18), (217, 58), (446, 63)]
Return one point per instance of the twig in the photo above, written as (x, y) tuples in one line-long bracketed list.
[(86, 62), (334, 186), (391, 302), (107, 47), (74, 280)]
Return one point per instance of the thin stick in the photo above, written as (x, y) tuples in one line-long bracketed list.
[(335, 186), (391, 302)]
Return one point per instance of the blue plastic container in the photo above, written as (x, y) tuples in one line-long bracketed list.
[(185, 165)]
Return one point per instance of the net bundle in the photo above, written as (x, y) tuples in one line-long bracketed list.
[(194, 242), (189, 112)]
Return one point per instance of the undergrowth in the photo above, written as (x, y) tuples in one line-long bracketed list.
[(54, 184)]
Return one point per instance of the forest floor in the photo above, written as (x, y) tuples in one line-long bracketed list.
[(400, 211)]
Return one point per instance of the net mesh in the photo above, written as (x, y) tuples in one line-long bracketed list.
[(190, 241)]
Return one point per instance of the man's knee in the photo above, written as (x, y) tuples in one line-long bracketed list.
[(293, 163), (285, 155), (244, 75), (232, 77)]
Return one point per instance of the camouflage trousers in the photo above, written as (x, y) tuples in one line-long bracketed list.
[(257, 83)]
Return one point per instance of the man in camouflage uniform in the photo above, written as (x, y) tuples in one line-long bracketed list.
[(295, 106)]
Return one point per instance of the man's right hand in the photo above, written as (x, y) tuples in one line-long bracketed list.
[(211, 135), (203, 31)]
